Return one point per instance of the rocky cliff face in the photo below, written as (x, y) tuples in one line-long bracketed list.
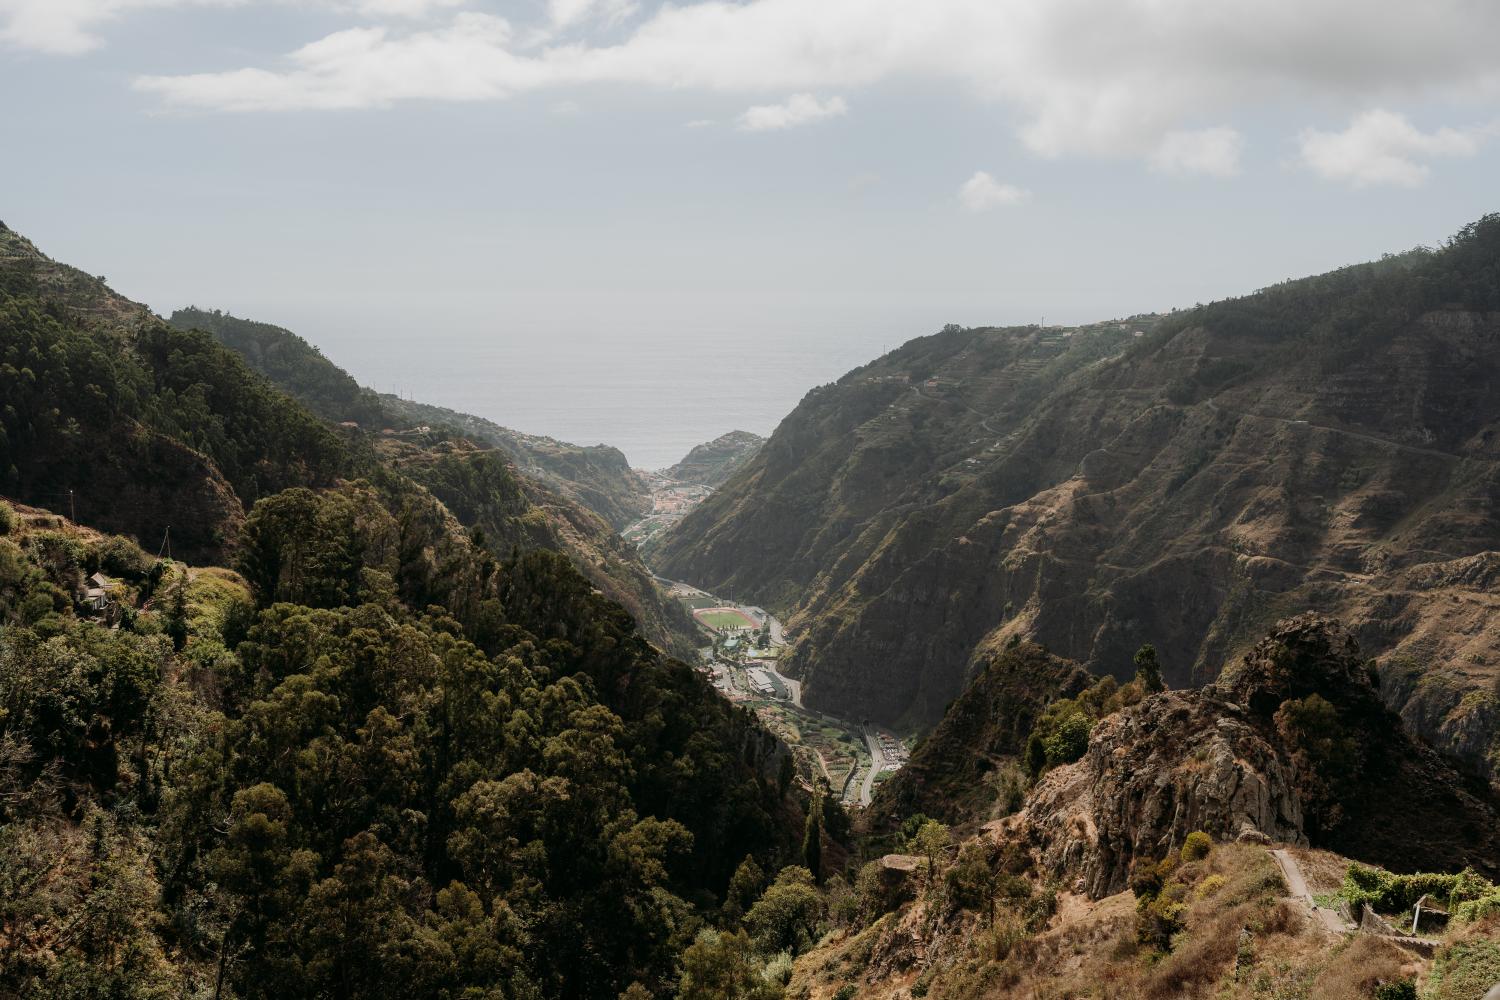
[(950, 776), (1182, 480), (1220, 760), (714, 462)]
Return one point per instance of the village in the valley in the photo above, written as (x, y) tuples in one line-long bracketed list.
[(671, 499), (745, 644), (852, 757)]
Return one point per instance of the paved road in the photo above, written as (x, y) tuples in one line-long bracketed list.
[(794, 687), (877, 758)]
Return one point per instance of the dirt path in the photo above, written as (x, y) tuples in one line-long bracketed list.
[(1297, 887), (1357, 435)]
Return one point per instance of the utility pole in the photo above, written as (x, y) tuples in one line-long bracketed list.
[(72, 508)]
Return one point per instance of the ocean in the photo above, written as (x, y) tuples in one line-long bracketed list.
[(653, 390)]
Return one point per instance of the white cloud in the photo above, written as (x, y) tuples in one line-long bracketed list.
[(981, 193), (1094, 77), (699, 123), (1382, 147), (1212, 151), (70, 27), (799, 109)]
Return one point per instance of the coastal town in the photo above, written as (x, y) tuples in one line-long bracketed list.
[(671, 499)]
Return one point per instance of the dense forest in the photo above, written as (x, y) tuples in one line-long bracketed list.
[(351, 747)]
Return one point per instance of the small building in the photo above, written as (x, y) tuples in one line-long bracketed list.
[(99, 591)]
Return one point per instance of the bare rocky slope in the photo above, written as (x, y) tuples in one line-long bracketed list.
[(1223, 759), (1184, 480)]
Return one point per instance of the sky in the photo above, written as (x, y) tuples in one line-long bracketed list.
[(459, 198)]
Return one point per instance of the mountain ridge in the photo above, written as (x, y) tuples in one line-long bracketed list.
[(1165, 479)]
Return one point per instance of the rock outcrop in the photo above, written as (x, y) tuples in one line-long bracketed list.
[(1219, 760), (950, 774)]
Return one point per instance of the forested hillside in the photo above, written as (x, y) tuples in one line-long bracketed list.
[(536, 516), (1330, 443), (598, 477), (135, 425), (349, 747)]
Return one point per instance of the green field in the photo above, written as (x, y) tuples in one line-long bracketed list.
[(724, 619), (699, 602)]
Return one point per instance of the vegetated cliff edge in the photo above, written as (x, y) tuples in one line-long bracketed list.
[(597, 476), (1183, 480), (713, 462), (133, 426), (1292, 745), (555, 495)]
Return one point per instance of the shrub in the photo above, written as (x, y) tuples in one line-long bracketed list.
[(1467, 893), (121, 557), (778, 969), (1060, 736), (1464, 971), (846, 992), (787, 915), (1148, 669), (1209, 886), (7, 518), (1197, 846), (1157, 919), (1069, 741), (1159, 906), (1406, 989)]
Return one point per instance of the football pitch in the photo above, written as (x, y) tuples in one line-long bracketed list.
[(717, 618)]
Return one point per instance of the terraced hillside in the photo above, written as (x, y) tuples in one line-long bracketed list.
[(713, 462), (1184, 480)]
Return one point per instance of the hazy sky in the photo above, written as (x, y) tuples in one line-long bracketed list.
[(417, 185)]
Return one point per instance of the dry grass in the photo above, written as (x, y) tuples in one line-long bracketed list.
[(1359, 966), (1241, 937)]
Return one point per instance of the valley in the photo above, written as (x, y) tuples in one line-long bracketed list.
[(750, 500), (423, 701), (851, 757)]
